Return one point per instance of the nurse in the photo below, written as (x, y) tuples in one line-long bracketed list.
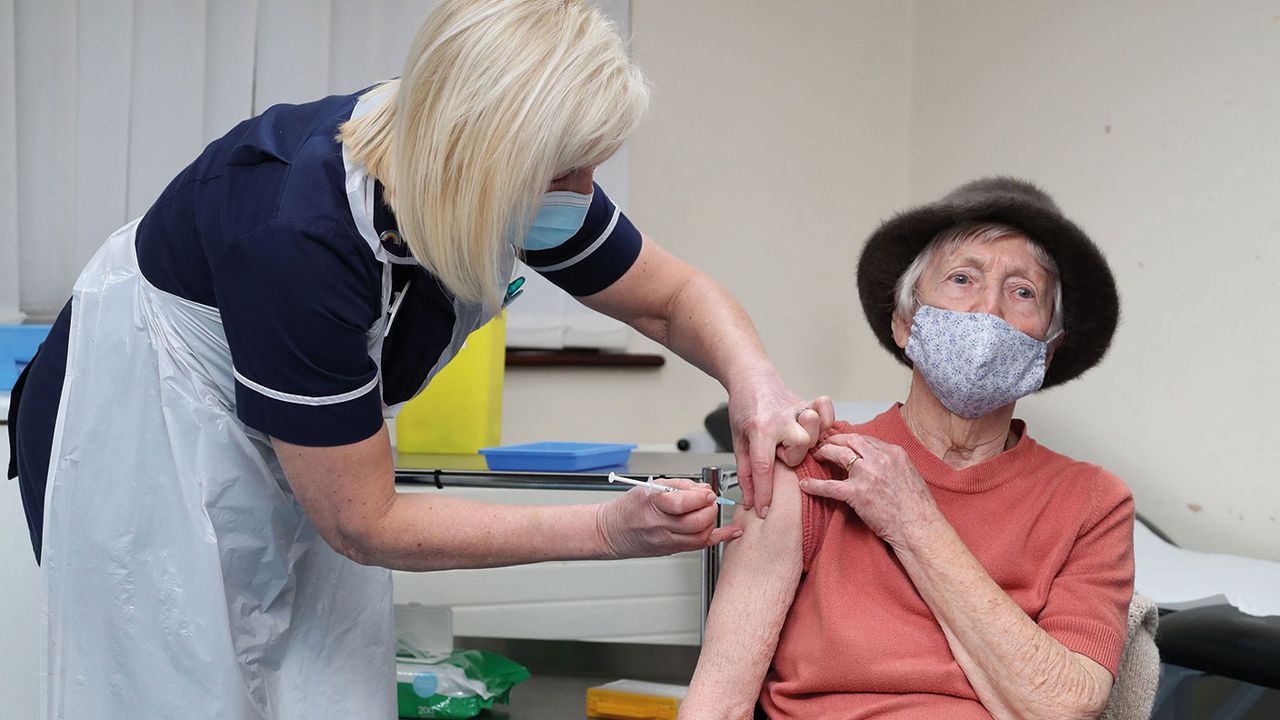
[(201, 445)]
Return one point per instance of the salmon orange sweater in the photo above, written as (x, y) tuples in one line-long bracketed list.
[(859, 642)]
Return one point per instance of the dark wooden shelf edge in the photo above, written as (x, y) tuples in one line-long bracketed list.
[(581, 358)]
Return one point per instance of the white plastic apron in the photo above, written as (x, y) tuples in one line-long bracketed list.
[(182, 578)]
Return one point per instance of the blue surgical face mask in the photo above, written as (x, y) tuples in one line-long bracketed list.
[(560, 217), (974, 362)]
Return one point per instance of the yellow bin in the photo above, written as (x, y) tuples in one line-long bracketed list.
[(461, 409)]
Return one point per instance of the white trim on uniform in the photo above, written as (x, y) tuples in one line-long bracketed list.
[(304, 399), (613, 221)]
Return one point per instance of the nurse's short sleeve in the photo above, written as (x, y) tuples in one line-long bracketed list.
[(1088, 603), (297, 300), (600, 252)]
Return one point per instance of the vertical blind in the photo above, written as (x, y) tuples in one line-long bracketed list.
[(104, 101)]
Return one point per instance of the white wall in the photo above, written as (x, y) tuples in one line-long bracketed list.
[(776, 138), (1154, 125), (782, 132)]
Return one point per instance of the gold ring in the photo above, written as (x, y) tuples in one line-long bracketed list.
[(848, 468)]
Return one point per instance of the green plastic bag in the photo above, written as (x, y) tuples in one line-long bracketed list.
[(457, 686)]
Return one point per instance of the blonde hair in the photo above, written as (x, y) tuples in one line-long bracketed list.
[(497, 99)]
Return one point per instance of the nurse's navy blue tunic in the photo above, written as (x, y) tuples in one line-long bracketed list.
[(260, 227)]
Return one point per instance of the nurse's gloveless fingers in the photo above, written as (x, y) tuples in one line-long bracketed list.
[(742, 461), (762, 447), (811, 421), (826, 410), (799, 437)]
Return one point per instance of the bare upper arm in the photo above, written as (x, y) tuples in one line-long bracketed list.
[(757, 584), (775, 542), (344, 490), (643, 295)]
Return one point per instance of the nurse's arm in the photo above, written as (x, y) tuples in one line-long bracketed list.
[(681, 307), (348, 492), (686, 310), (756, 587)]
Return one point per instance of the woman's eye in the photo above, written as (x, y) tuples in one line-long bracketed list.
[(960, 279), (1025, 293)]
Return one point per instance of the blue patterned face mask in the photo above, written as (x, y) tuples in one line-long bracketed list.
[(974, 362), (560, 217)]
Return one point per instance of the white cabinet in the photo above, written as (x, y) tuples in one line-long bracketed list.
[(656, 600), (19, 600)]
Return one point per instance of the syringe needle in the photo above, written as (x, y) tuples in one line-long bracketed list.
[(614, 477)]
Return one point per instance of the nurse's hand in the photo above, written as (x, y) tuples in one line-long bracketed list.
[(769, 421), (645, 523)]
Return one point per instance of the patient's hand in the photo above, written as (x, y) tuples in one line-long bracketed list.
[(883, 487), (1017, 669)]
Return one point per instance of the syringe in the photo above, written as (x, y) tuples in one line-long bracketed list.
[(614, 477)]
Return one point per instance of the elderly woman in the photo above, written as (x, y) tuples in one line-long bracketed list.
[(937, 561)]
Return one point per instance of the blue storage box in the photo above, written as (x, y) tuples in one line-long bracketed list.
[(557, 456), (18, 344)]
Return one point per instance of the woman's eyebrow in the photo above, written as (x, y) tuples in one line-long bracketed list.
[(1032, 273), (967, 261)]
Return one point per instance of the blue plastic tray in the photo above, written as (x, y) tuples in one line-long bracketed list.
[(557, 456), (18, 344)]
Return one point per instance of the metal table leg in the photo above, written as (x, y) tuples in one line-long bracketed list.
[(710, 557)]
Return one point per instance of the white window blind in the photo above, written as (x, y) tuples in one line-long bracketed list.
[(102, 102)]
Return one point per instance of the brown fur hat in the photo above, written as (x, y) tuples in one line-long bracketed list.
[(1091, 306)]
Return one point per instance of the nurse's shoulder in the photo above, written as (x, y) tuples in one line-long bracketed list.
[(275, 179)]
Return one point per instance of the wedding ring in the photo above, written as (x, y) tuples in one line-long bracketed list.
[(848, 469)]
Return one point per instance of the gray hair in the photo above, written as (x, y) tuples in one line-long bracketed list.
[(907, 301)]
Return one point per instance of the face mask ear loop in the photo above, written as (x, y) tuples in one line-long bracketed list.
[(567, 197)]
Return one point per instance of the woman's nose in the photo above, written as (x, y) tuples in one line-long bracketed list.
[(988, 301)]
